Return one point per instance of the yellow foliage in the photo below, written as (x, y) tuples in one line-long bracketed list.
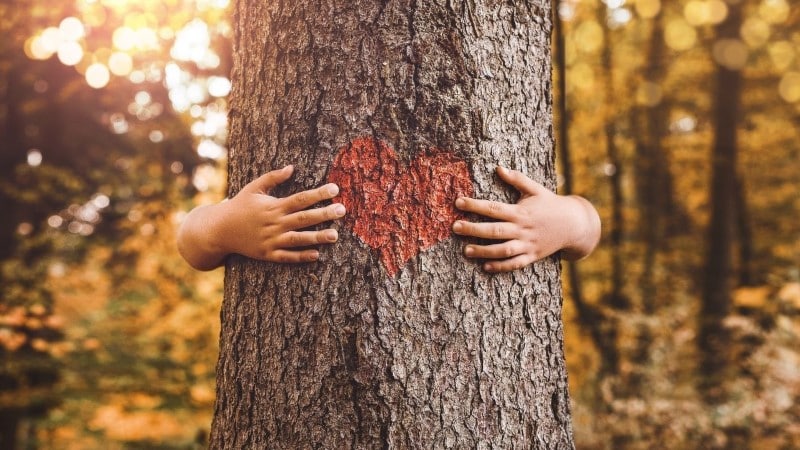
[(790, 295), (202, 394), (752, 297), (121, 425)]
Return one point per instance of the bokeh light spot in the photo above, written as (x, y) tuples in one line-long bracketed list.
[(774, 11), (755, 32), (156, 136), (50, 38), (219, 86), (55, 221), (34, 158), (730, 53), (142, 98), (70, 53), (679, 35), (120, 64), (24, 229), (647, 9), (97, 75), (589, 36), (782, 54), (124, 38), (36, 48), (789, 87), (71, 29)]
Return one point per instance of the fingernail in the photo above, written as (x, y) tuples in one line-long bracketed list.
[(488, 267), (314, 256), (501, 169), (333, 189), (339, 210), (469, 250), (460, 202), (457, 226), (332, 235)]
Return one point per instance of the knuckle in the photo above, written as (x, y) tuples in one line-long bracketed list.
[(509, 251), (303, 217), (496, 231), (330, 212), (495, 207), (324, 193), (296, 239), (302, 198)]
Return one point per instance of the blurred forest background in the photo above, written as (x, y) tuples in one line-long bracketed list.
[(678, 119)]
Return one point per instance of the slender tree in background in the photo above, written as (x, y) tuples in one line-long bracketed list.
[(654, 180), (616, 297), (589, 315), (717, 288), (744, 234), (394, 339)]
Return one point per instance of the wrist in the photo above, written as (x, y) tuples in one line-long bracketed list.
[(198, 238), (215, 224), (585, 232)]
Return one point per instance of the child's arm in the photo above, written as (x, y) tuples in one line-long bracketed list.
[(259, 226), (538, 225)]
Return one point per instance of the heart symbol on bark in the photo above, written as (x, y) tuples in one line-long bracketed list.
[(398, 210)]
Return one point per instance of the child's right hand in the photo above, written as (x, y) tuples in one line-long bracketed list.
[(258, 225)]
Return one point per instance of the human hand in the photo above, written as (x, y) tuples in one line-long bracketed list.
[(260, 226), (538, 225)]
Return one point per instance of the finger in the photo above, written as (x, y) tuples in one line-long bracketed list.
[(269, 180), (486, 230), (309, 217), (505, 250), (509, 265), (306, 238), (289, 256), (520, 181), (303, 200), (488, 208)]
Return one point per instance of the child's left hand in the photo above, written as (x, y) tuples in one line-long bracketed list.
[(538, 225)]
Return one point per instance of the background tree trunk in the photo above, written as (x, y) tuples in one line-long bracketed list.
[(346, 353), (713, 338)]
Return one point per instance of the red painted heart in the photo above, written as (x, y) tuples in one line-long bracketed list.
[(397, 210)]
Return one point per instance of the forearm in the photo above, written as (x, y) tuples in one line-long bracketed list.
[(197, 238), (586, 232)]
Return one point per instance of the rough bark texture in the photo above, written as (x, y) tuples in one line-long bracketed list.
[(349, 352)]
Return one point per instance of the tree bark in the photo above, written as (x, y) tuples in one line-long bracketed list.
[(365, 350)]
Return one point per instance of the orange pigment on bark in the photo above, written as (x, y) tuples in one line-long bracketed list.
[(398, 210)]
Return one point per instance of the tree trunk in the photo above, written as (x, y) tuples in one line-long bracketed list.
[(745, 234), (719, 265), (393, 339), (654, 181)]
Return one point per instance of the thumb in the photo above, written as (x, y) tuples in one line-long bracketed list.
[(521, 181), (269, 180)]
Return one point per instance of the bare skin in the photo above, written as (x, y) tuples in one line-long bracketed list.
[(538, 225), (258, 225)]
